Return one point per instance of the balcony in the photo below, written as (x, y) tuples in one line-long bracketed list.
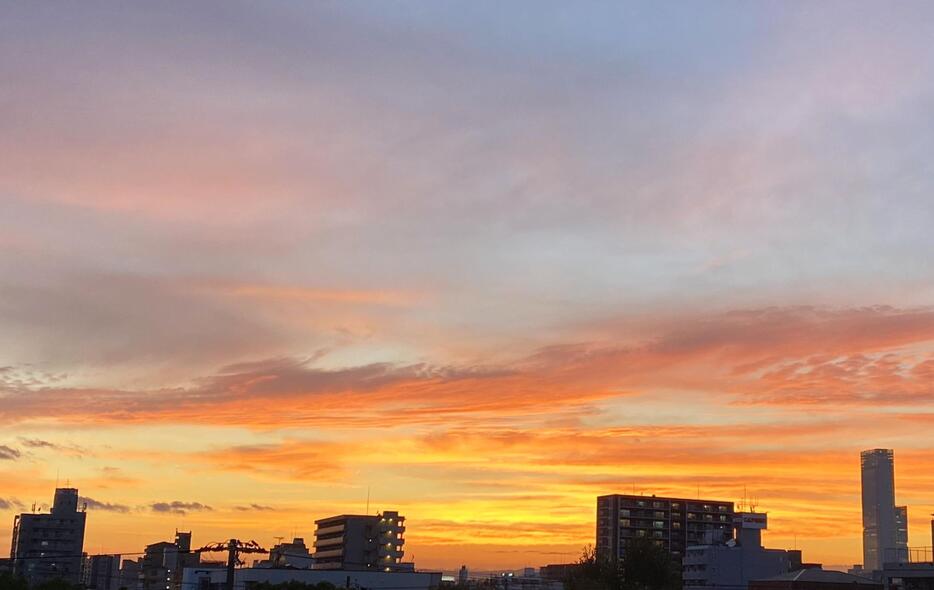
[(330, 530), (329, 542)]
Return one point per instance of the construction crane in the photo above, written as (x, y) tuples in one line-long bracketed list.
[(233, 547)]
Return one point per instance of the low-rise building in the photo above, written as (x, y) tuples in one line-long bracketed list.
[(913, 570), (200, 578), (733, 564), (162, 565), (815, 579), (288, 555)]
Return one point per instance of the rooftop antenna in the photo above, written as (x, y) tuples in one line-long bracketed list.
[(368, 500)]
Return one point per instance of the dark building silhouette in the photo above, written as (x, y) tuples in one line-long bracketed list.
[(163, 563), (102, 572), (294, 555), (49, 546), (815, 579), (129, 574), (357, 542), (671, 523)]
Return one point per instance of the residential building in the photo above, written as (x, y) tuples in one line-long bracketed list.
[(815, 579), (288, 555), (50, 546), (102, 572), (163, 563), (214, 578), (882, 540), (129, 574), (733, 564), (358, 542), (671, 523)]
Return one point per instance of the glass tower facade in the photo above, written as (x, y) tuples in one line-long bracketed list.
[(883, 541)]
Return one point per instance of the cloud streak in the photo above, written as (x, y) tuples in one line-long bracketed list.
[(179, 507)]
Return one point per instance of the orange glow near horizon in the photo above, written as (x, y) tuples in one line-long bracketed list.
[(488, 261)]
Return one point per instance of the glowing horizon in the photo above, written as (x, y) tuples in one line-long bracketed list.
[(486, 262)]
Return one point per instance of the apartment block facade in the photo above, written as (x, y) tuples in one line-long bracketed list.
[(360, 542), (671, 523), (49, 546)]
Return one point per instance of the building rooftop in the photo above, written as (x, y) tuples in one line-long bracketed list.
[(821, 576)]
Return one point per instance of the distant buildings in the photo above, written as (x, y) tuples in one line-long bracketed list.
[(671, 523), (163, 563), (356, 542), (885, 526), (557, 572), (49, 546), (203, 578), (732, 565), (815, 579), (289, 555)]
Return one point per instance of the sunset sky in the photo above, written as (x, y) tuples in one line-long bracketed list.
[(487, 260)]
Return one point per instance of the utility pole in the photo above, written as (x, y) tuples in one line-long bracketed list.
[(233, 547)]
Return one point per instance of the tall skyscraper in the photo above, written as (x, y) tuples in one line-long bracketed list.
[(885, 526)]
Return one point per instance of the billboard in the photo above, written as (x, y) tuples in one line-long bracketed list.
[(751, 520)]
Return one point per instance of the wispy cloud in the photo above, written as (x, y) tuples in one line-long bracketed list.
[(9, 453), (179, 507), (254, 508), (93, 504), (10, 504)]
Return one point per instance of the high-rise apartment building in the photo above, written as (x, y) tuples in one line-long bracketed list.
[(671, 523), (885, 526), (49, 546), (357, 542)]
